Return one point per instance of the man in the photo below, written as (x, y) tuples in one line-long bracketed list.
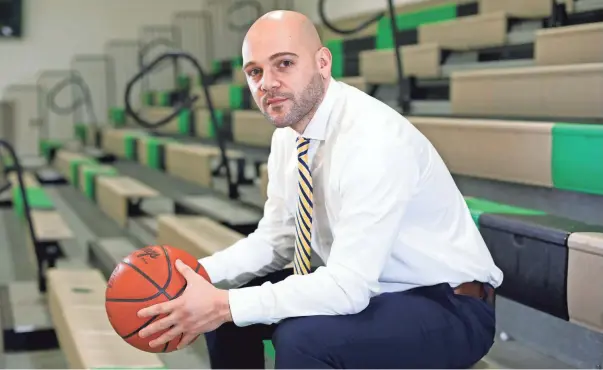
[(407, 277)]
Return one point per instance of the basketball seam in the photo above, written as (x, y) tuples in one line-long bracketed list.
[(148, 278)]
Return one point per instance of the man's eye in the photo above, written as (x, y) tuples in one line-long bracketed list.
[(286, 63), (254, 71)]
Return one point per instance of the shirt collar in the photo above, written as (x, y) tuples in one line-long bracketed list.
[(317, 128)]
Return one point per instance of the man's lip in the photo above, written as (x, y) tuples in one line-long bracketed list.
[(275, 100)]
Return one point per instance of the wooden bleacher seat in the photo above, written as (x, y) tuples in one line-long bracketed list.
[(566, 91), (193, 162), (76, 300), (29, 179), (533, 9), (569, 45), (154, 114), (547, 154), (251, 128), (467, 33), (358, 82), (585, 264), (513, 151), (64, 160), (50, 229), (222, 96), (200, 236), (116, 195), (114, 140)]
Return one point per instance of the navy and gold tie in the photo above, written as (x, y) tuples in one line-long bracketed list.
[(303, 215)]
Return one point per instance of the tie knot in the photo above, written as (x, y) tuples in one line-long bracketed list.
[(302, 145), (302, 140)]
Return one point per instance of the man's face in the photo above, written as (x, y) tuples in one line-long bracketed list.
[(283, 77)]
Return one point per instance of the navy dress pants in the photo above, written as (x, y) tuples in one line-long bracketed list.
[(427, 327)]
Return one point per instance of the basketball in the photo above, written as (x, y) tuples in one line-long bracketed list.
[(146, 277)]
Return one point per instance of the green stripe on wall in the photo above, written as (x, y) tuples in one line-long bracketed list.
[(577, 160)]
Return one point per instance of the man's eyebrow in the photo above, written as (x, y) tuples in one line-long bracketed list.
[(272, 57)]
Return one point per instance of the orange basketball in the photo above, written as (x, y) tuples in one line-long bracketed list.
[(146, 277)]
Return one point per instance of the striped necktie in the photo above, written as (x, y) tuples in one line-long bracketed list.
[(303, 215)]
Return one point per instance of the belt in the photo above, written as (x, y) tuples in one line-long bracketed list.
[(477, 290)]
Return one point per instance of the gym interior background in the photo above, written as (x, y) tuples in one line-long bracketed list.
[(103, 152)]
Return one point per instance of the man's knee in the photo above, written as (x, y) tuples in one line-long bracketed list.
[(300, 337)]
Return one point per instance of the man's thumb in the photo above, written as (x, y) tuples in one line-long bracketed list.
[(185, 269)]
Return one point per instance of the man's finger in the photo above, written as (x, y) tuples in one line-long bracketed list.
[(158, 309), (186, 340), (167, 336), (159, 325)]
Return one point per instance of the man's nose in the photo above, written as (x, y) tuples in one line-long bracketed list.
[(269, 81)]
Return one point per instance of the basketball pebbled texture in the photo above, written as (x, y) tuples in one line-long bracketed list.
[(146, 277)]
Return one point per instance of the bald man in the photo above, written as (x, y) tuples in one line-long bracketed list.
[(407, 280)]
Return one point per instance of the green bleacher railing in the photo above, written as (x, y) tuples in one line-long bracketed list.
[(403, 92), (233, 192)]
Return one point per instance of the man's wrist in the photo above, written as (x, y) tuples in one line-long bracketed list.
[(224, 306)]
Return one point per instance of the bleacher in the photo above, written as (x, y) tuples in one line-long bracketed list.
[(510, 92)]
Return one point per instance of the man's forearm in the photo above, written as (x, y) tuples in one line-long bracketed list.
[(248, 258)]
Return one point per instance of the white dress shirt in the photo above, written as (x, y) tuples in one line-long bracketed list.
[(387, 217)]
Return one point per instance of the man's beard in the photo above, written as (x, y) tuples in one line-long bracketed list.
[(301, 107)]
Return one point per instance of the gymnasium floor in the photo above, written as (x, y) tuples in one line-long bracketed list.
[(88, 223)]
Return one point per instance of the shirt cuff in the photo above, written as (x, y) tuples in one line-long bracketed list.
[(213, 268), (246, 306)]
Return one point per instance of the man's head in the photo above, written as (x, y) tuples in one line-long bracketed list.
[(287, 68)]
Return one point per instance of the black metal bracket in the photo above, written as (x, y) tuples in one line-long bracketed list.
[(188, 101), (403, 93)]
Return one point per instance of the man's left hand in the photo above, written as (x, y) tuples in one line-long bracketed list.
[(200, 309)]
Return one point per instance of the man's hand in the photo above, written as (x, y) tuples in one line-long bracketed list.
[(200, 309)]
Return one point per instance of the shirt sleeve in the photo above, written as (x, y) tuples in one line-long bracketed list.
[(376, 182), (269, 248)]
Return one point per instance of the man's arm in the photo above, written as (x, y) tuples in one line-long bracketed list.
[(270, 247), (376, 183)]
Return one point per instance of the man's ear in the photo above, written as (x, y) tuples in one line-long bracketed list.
[(324, 60)]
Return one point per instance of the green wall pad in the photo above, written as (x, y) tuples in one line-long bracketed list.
[(184, 122), (409, 21), (90, 175), (577, 161), (117, 117), (147, 98), (81, 132), (269, 349), (74, 168), (336, 48), (130, 147), (162, 98), (36, 196), (240, 97), (155, 152), (48, 146), (183, 82), (478, 206), (210, 127)]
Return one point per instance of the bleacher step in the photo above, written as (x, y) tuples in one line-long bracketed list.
[(106, 253), (448, 69), (144, 229), (26, 323), (236, 216)]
